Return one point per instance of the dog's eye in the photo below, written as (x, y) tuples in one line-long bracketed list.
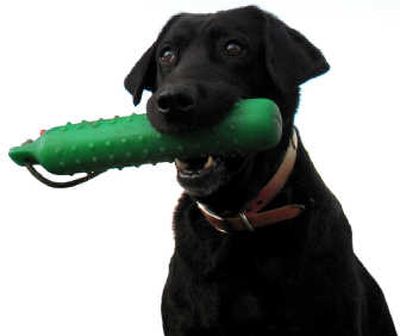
[(233, 49), (168, 57)]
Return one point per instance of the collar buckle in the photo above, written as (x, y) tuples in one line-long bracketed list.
[(246, 222)]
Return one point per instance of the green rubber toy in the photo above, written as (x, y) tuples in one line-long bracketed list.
[(252, 125)]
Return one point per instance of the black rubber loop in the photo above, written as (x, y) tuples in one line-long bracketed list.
[(66, 184)]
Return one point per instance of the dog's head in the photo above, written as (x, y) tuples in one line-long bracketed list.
[(201, 64)]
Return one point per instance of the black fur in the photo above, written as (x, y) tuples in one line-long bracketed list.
[(298, 277)]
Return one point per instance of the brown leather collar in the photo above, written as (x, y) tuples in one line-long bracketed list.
[(251, 218)]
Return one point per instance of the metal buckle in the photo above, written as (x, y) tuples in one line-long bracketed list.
[(224, 227), (246, 221)]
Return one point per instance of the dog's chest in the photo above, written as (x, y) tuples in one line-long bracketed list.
[(237, 301), (194, 304)]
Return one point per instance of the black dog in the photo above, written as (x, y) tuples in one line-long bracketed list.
[(287, 268)]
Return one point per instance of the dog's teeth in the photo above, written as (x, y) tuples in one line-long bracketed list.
[(181, 165), (192, 167), (210, 163)]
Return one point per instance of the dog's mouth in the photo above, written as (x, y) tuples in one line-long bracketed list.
[(195, 167), (203, 176)]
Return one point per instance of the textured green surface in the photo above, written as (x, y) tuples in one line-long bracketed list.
[(253, 124)]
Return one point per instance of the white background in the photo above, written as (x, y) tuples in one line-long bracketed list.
[(93, 260)]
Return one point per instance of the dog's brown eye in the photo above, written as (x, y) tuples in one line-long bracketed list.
[(233, 49), (168, 57)]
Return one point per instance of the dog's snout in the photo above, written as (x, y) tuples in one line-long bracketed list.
[(172, 101)]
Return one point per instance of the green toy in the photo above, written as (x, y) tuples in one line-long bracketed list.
[(252, 125)]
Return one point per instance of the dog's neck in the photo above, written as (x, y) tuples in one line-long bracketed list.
[(252, 216), (246, 185)]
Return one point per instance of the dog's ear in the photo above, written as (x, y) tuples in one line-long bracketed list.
[(290, 58), (143, 75)]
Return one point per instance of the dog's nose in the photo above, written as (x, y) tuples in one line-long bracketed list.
[(173, 101)]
